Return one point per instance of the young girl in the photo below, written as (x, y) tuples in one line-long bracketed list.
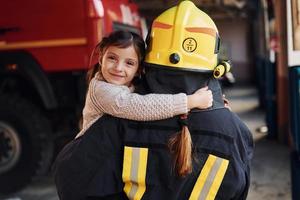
[(111, 90)]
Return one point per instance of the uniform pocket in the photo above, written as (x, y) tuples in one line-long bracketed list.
[(134, 171)]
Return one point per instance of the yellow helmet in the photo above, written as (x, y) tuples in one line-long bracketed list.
[(186, 38)]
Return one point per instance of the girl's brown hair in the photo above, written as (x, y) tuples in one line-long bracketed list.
[(121, 39), (180, 146)]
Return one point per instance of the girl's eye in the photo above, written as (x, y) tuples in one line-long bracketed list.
[(130, 63), (111, 57)]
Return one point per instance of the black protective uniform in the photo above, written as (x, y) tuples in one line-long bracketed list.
[(113, 150)]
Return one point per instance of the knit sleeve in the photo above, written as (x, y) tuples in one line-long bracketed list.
[(119, 101)]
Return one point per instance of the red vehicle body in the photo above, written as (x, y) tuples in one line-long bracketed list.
[(45, 48)]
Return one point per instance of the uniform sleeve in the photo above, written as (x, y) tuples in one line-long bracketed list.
[(249, 152), (249, 142), (119, 101)]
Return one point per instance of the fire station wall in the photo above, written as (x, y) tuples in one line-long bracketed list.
[(236, 37)]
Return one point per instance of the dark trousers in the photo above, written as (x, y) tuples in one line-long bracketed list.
[(120, 196)]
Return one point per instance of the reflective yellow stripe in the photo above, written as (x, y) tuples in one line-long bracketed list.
[(134, 171), (126, 169), (210, 179), (43, 43)]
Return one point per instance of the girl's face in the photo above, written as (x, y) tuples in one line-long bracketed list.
[(119, 65)]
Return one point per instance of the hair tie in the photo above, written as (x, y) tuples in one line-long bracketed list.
[(183, 120)]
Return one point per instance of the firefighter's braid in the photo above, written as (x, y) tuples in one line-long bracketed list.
[(180, 146)]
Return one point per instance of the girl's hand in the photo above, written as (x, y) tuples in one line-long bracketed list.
[(226, 102), (201, 99)]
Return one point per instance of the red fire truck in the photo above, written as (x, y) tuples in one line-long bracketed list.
[(45, 48)]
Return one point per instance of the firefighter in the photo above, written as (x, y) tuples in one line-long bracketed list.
[(203, 155), (210, 150)]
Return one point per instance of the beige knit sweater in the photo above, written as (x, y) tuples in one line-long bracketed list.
[(120, 101)]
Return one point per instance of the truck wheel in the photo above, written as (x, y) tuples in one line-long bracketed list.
[(26, 145)]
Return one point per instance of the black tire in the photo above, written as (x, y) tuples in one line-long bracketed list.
[(26, 146)]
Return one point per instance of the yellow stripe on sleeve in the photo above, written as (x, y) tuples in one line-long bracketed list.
[(142, 173), (202, 178), (134, 172), (126, 169), (218, 180), (210, 178)]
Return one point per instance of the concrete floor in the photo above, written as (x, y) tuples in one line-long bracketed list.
[(270, 178)]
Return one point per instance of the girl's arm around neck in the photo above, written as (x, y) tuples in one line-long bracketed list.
[(118, 101)]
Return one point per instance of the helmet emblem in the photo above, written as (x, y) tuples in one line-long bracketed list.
[(189, 45)]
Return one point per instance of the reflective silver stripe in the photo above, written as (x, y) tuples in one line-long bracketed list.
[(134, 172), (210, 178)]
